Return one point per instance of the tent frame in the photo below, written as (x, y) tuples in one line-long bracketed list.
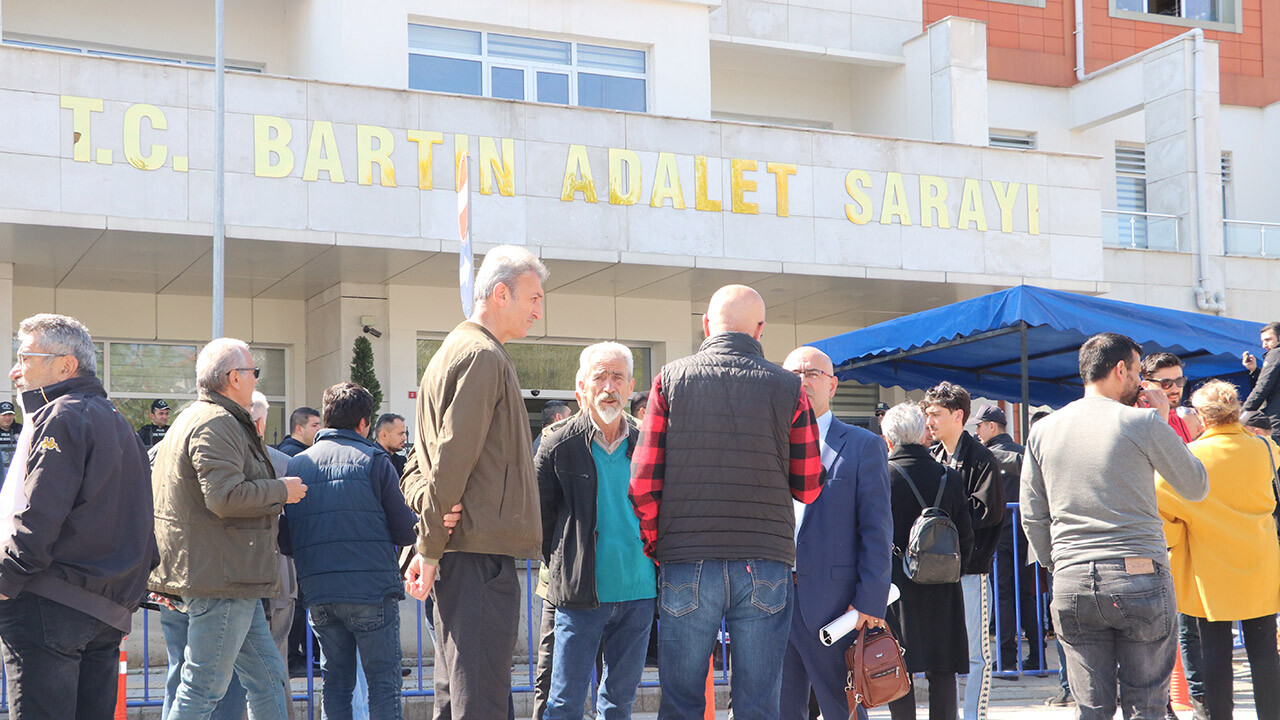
[(1023, 362)]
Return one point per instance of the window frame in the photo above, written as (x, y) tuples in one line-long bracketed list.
[(1231, 13), (123, 53), (531, 68), (278, 402)]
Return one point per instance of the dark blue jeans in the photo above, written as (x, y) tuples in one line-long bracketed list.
[(621, 631), (61, 663), (1116, 627), (754, 598), (374, 629)]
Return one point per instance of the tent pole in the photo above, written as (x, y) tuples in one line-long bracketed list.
[(1026, 382)]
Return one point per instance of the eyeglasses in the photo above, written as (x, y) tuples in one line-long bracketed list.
[(257, 372), (811, 374), (1170, 383), (22, 356)]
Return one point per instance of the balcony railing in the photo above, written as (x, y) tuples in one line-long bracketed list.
[(1248, 237), (1132, 229)]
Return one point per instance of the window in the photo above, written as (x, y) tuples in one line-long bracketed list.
[(123, 53), (1012, 139), (489, 64), (1210, 14), (545, 366), (1131, 195)]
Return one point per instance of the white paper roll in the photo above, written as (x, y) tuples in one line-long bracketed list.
[(843, 625)]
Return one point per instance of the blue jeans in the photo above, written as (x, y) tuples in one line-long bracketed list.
[(754, 598), (61, 663), (618, 629), (977, 620), (174, 625), (1116, 627), (226, 636), (374, 628)]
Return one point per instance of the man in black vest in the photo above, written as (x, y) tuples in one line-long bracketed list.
[(714, 498), (9, 432), (153, 432)]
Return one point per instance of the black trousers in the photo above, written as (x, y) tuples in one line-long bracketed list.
[(546, 651), (61, 663), (1264, 666), (477, 618), (942, 699)]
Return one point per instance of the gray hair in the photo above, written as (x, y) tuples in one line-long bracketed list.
[(258, 407), (608, 349), (64, 335), (903, 425), (505, 264), (216, 361)]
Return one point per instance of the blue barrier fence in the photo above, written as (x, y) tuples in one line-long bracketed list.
[(154, 697)]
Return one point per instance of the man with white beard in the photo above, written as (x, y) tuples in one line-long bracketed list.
[(601, 584)]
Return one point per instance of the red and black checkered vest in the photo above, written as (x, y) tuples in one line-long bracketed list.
[(726, 495)]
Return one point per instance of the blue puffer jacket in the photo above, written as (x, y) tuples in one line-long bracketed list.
[(344, 532)]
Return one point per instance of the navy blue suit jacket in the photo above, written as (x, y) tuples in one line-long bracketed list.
[(845, 544)]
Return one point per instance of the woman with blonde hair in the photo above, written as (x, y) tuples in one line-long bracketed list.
[(1224, 554)]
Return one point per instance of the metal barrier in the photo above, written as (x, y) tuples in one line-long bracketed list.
[(533, 608), (1041, 606)]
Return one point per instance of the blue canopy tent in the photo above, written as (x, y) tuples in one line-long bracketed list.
[(1021, 344)]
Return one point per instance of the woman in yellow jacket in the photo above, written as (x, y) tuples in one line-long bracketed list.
[(1224, 554)]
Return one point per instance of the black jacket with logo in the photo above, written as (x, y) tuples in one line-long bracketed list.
[(981, 473), (151, 434), (86, 539)]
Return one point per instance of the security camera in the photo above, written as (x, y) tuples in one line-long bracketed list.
[(535, 393), (372, 331)]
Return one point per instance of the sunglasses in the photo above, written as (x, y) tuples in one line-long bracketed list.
[(257, 372), (1170, 383)]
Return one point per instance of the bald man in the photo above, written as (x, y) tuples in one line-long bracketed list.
[(849, 528), (714, 497)]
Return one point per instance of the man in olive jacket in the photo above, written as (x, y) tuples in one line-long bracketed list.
[(217, 506), (473, 448)]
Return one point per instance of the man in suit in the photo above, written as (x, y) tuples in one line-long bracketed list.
[(1265, 381), (844, 544)]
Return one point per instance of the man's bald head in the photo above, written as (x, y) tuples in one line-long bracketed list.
[(735, 308), (805, 357), (817, 377)]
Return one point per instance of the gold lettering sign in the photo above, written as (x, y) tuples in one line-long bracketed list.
[(633, 178)]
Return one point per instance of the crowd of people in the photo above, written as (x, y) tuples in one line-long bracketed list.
[(728, 493)]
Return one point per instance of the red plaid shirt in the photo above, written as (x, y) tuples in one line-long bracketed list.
[(648, 462)]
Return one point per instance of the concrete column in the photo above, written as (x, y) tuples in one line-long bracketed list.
[(333, 324), (1169, 115), (946, 82), (10, 323), (320, 33)]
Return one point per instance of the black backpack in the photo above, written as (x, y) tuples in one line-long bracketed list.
[(933, 547)]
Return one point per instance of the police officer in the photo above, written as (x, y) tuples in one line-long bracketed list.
[(9, 430), (153, 432), (881, 409)]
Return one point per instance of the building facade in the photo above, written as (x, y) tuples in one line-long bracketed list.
[(852, 160)]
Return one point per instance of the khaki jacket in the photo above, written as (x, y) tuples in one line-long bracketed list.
[(473, 447), (217, 506)]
